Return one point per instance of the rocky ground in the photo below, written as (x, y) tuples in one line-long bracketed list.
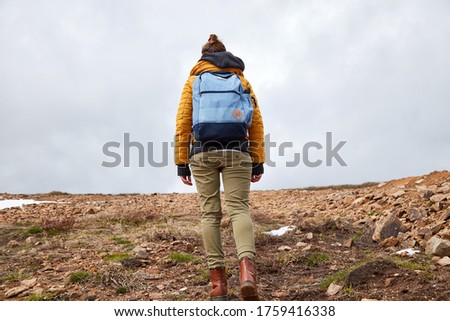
[(342, 245)]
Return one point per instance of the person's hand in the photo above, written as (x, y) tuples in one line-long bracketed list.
[(256, 178), (184, 173), (186, 180), (257, 172)]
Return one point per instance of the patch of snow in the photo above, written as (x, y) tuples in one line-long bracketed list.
[(409, 252), (19, 203), (281, 231)]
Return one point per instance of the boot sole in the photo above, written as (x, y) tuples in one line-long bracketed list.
[(249, 291), (219, 298)]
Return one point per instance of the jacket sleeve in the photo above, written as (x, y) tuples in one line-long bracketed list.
[(256, 130), (184, 125)]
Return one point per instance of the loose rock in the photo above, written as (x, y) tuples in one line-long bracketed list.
[(15, 291), (389, 242), (387, 228), (415, 214), (427, 194), (398, 193), (348, 243), (358, 201), (334, 289), (301, 244), (12, 244), (438, 246), (445, 216), (438, 198), (29, 283), (444, 261), (388, 282)]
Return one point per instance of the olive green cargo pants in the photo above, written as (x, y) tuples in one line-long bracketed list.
[(236, 168)]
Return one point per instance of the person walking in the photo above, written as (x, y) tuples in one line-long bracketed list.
[(215, 141)]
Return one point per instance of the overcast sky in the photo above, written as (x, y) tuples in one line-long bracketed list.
[(75, 75)]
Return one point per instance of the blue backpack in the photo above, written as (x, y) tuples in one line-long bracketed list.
[(222, 110)]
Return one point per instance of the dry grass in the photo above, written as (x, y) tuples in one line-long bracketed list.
[(120, 278), (55, 225), (340, 187), (136, 217), (168, 233)]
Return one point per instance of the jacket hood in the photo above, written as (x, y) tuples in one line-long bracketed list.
[(219, 61), (224, 59)]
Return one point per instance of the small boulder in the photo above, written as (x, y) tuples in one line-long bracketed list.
[(389, 242), (444, 261), (427, 194), (398, 193), (24, 285), (387, 228), (438, 198), (438, 246), (301, 244), (423, 232), (415, 214), (444, 189), (445, 216), (141, 255), (15, 291), (358, 201), (29, 282)]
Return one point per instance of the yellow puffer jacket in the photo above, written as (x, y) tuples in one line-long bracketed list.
[(183, 131)]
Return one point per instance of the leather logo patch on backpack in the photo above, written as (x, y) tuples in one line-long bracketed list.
[(237, 114)]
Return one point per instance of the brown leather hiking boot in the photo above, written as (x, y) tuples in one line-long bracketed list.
[(247, 277), (219, 291)]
